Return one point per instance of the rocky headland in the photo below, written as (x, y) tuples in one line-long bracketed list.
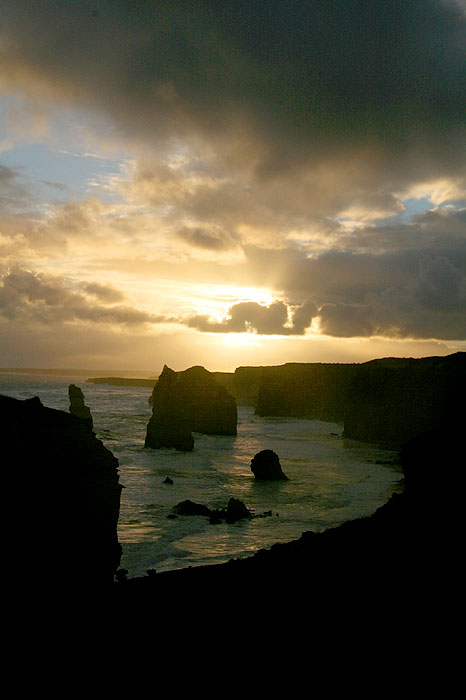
[(384, 401), (64, 534), (187, 402)]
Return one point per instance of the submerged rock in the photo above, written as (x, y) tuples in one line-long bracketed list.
[(77, 405), (187, 402), (265, 466)]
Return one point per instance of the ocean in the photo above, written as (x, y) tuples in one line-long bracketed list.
[(331, 479)]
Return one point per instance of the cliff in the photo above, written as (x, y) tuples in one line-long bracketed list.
[(243, 384), (186, 402), (392, 400), (66, 493), (316, 391), (384, 401)]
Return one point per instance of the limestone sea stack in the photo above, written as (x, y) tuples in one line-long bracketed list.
[(77, 405), (266, 466), (187, 402)]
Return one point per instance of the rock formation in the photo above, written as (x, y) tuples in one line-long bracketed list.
[(317, 391), (77, 405), (384, 401), (235, 510), (67, 492), (187, 402), (266, 466), (391, 401)]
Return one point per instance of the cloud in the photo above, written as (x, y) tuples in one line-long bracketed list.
[(274, 148), (258, 318), (104, 292), (36, 298), (215, 240), (430, 305), (362, 93)]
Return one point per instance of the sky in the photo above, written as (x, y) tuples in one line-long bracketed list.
[(231, 183)]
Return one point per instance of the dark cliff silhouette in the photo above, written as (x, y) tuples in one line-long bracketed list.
[(187, 402), (384, 401), (64, 534), (393, 400)]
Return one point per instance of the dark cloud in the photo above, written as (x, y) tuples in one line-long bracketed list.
[(215, 240), (13, 193), (252, 317), (303, 79), (36, 298), (290, 120), (104, 292)]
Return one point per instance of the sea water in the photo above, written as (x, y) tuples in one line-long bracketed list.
[(331, 479)]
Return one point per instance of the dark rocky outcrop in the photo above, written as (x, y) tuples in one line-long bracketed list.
[(243, 384), (77, 405), (190, 508), (393, 400), (187, 402), (66, 489), (384, 401), (265, 466), (317, 391), (235, 510)]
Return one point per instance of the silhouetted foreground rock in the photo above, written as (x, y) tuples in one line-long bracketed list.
[(77, 405), (186, 402), (66, 489), (265, 466)]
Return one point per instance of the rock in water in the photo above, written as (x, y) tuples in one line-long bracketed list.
[(236, 510), (266, 466), (66, 486), (187, 402), (77, 405), (188, 507)]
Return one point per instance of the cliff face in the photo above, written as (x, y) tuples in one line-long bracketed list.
[(186, 402), (391, 401), (68, 489), (385, 401), (316, 391)]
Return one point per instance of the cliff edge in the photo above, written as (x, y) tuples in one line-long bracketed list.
[(66, 492)]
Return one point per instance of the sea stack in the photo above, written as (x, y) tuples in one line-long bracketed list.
[(266, 466), (187, 402), (77, 405)]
